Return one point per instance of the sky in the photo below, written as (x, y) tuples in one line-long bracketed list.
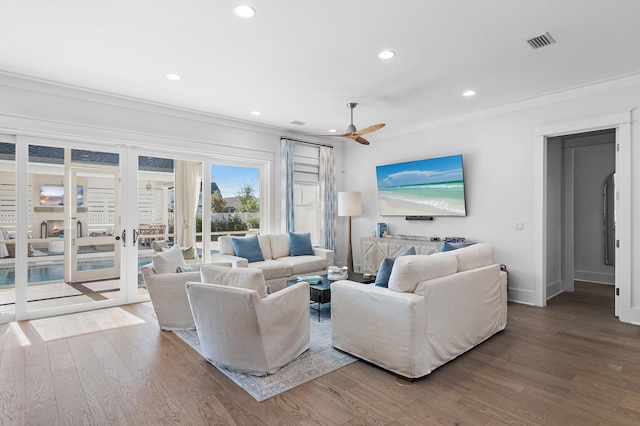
[(231, 178), (443, 169)]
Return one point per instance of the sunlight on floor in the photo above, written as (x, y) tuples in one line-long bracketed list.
[(23, 340), (85, 322)]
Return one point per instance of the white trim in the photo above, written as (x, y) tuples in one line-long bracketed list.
[(621, 121), (588, 89)]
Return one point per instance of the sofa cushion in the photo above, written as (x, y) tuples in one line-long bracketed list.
[(249, 278), (265, 246), (384, 271), (273, 268), (304, 264), (279, 245), (408, 271), (300, 244), (225, 246), (474, 256), (248, 247), (168, 261)]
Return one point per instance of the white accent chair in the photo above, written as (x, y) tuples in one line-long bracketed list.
[(166, 289), (243, 329)]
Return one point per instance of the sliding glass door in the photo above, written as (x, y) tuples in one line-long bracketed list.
[(77, 223), (93, 224), (73, 226), (7, 227)]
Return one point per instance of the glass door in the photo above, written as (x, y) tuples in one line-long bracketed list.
[(93, 224), (155, 191), (73, 227), (7, 228)]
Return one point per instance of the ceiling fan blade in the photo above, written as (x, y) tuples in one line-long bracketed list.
[(369, 129), (361, 140)]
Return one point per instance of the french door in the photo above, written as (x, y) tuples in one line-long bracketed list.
[(103, 210)]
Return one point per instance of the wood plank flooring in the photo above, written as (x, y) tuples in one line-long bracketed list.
[(570, 363)]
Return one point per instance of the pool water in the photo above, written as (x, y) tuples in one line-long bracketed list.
[(55, 272)]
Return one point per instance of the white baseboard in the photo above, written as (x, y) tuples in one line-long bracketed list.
[(595, 277), (526, 297), (554, 289)]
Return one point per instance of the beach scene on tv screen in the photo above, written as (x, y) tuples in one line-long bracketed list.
[(431, 187)]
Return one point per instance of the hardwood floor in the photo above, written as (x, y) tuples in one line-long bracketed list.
[(570, 363)]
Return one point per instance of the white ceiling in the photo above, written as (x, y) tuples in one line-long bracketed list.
[(305, 60)]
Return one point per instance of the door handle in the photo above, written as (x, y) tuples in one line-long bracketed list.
[(124, 237), (135, 237)]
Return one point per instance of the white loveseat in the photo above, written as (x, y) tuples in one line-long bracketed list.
[(278, 265), (436, 308)]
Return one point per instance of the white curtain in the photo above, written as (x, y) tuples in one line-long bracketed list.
[(187, 190), (286, 170), (327, 179)]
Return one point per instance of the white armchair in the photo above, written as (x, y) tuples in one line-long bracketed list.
[(169, 298), (242, 331), (166, 289)]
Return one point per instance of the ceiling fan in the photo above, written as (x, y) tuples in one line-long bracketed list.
[(352, 132)]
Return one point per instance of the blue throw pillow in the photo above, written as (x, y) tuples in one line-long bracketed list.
[(447, 246), (248, 247), (384, 271), (411, 251), (300, 244)]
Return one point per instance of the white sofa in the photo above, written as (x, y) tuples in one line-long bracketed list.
[(278, 265), (436, 308)]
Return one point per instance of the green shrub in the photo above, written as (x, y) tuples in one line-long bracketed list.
[(253, 222)]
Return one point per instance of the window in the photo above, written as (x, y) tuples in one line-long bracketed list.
[(306, 195)]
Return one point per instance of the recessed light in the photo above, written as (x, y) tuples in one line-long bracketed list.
[(332, 130), (244, 11), (469, 93), (255, 112), (173, 77), (386, 54)]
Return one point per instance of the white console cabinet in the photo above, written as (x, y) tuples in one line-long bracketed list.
[(374, 249)]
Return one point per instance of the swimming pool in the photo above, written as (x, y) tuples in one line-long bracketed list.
[(55, 271)]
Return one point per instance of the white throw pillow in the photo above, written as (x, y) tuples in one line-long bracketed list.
[(168, 261)]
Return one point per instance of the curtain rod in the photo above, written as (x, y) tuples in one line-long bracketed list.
[(305, 142)]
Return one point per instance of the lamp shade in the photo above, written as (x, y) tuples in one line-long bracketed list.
[(349, 204)]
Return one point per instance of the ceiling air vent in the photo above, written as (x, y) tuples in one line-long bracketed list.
[(298, 122), (541, 41)]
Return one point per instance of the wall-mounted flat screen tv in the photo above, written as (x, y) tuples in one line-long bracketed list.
[(430, 187), (53, 195)]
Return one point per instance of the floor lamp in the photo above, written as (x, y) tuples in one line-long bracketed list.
[(349, 204)]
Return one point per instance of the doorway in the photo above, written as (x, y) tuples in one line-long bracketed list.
[(545, 247), (578, 168)]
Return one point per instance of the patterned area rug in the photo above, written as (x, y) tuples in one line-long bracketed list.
[(320, 359)]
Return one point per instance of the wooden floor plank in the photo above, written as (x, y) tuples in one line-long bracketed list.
[(570, 363)]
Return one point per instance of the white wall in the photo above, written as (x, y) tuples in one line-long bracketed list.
[(555, 261), (498, 153), (34, 108), (593, 164), (497, 145)]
